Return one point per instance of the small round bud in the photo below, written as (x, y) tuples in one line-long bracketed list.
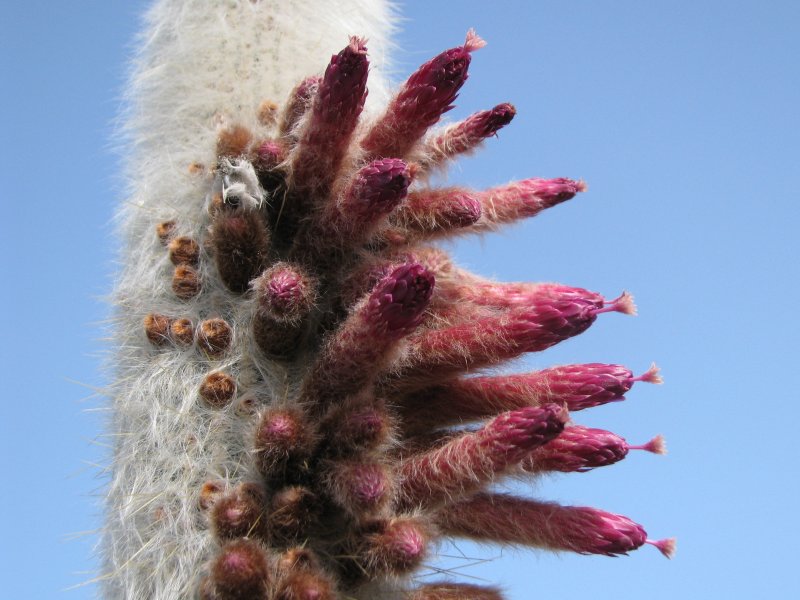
[(214, 337), (164, 231), (239, 513), (156, 328), (218, 389), (210, 492), (240, 571), (233, 141), (184, 251), (185, 282), (292, 514), (267, 113), (182, 332)]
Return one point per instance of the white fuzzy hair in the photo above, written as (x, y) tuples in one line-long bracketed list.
[(202, 63)]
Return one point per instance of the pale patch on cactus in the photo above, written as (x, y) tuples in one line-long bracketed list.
[(294, 364)]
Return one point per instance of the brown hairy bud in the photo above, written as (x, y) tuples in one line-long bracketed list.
[(298, 559), (186, 282), (395, 547), (233, 141), (299, 102), (214, 337), (210, 492), (356, 426), (240, 243), (164, 231), (240, 513), (292, 514), (184, 251), (241, 571), (218, 389), (305, 586), (156, 328), (182, 332), (267, 113), (286, 296)]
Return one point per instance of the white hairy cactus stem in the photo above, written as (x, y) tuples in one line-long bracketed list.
[(202, 66)]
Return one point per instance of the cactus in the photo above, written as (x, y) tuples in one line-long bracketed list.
[(296, 410)]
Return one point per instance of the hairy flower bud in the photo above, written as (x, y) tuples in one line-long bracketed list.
[(580, 449), (464, 137), (473, 459), (357, 352), (240, 571), (423, 99), (503, 518)]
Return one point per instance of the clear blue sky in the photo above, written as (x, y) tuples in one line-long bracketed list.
[(683, 119)]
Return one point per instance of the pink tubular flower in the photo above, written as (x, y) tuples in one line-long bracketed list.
[(360, 348), (504, 518), (523, 199), (424, 98), (374, 191), (580, 449), (299, 101), (556, 314), (333, 118), (463, 137), (432, 213), (468, 399), (473, 459)]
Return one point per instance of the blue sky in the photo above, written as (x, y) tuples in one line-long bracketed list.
[(683, 119)]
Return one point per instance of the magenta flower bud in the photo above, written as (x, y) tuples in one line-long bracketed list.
[(473, 459), (584, 386), (506, 519), (356, 427), (526, 198), (466, 136), (285, 292), (373, 193), (580, 449), (554, 314), (332, 120), (398, 303), (377, 188), (284, 440), (393, 547), (431, 213), (341, 94), (361, 347), (361, 488), (286, 297), (268, 155), (240, 571), (299, 101), (424, 98), (462, 400)]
